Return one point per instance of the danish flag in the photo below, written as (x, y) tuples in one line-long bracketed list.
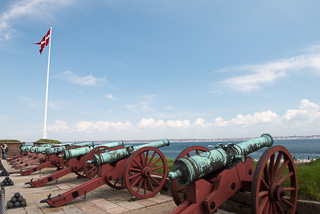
[(44, 42)]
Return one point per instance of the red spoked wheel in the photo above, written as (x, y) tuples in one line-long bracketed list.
[(146, 172), (117, 183), (275, 185), (90, 169), (63, 162), (178, 190)]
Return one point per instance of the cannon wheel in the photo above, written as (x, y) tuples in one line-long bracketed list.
[(145, 172), (63, 162), (90, 169), (178, 190), (275, 185)]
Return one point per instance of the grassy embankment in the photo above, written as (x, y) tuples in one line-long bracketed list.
[(308, 179)]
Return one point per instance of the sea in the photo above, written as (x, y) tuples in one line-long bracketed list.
[(302, 149)]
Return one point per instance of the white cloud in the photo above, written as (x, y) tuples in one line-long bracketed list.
[(202, 123), (303, 120), (268, 73), (258, 117), (24, 9), (104, 126), (89, 80), (109, 96), (58, 125), (151, 123), (219, 122), (178, 123), (307, 112), (83, 126)]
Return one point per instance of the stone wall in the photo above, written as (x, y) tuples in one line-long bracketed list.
[(13, 149)]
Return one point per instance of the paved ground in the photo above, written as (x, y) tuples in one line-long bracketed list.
[(103, 200)]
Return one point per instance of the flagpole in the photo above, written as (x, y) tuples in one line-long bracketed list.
[(46, 102)]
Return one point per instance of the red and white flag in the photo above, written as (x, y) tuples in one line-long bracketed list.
[(44, 42)]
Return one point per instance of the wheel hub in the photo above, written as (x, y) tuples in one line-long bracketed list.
[(276, 192), (146, 172)]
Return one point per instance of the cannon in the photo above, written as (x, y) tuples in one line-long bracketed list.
[(31, 153), (39, 154), (53, 158), (202, 182), (73, 163), (141, 169)]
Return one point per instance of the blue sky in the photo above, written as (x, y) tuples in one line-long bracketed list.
[(123, 70)]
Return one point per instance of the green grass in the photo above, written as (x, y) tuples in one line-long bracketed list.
[(48, 141), (308, 179)]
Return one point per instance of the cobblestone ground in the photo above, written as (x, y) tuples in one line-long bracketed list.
[(101, 200)]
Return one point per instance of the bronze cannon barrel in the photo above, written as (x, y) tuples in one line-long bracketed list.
[(71, 153), (189, 169), (62, 148), (109, 157)]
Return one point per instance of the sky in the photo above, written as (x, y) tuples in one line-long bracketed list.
[(138, 70)]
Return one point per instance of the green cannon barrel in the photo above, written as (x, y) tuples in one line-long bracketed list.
[(72, 153), (190, 169), (25, 148), (62, 148), (103, 158), (42, 148)]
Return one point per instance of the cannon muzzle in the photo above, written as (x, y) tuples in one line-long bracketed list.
[(187, 170)]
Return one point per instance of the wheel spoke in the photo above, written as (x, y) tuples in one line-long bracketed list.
[(288, 202), (263, 204), (289, 189), (134, 182), (266, 174), (264, 183), (279, 209), (116, 181), (151, 186), (151, 159), (138, 164), (142, 159), (134, 176), (155, 162), (145, 186), (158, 167), (285, 178), (135, 169), (147, 155), (262, 194), (155, 180), (271, 168), (280, 171), (139, 186), (154, 173), (276, 165), (273, 208), (266, 208), (188, 155)]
